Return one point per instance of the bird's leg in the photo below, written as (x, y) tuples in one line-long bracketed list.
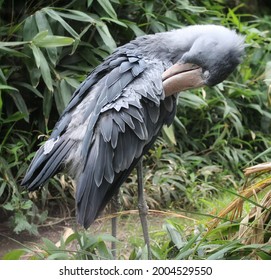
[(142, 206), (115, 205)]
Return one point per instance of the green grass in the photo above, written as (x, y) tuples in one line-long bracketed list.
[(173, 235)]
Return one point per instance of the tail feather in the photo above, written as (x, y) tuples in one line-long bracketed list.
[(45, 165), (92, 199)]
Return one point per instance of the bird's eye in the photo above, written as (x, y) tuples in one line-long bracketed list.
[(206, 74)]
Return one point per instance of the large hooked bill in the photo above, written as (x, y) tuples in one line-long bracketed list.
[(182, 76)]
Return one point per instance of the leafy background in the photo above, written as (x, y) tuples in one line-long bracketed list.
[(48, 47)]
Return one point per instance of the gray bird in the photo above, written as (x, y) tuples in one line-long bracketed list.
[(116, 114)]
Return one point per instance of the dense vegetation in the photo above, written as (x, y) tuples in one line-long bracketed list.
[(48, 47)]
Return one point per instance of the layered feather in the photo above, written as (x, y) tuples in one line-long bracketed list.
[(110, 122)]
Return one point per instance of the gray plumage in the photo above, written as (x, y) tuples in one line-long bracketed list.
[(116, 114)]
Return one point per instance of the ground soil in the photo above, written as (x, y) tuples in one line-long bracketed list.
[(9, 240), (129, 231)]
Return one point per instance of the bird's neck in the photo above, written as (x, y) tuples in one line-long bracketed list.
[(166, 46)]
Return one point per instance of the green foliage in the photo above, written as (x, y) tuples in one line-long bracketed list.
[(47, 49), (25, 216), (234, 237), (172, 242), (77, 246)]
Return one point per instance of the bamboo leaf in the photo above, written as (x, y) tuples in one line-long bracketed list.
[(106, 36), (35, 75), (44, 40), (30, 88), (5, 87), (45, 73), (36, 53), (3, 78), (118, 22), (168, 133), (108, 8), (191, 100), (89, 3), (12, 52), (30, 28), (54, 15), (185, 5), (14, 117), (13, 44), (20, 104), (51, 41), (137, 31), (38, 37), (43, 24), (79, 16), (62, 95), (72, 82), (42, 63), (66, 92), (170, 22)]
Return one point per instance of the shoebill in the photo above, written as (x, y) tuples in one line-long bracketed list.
[(116, 114)]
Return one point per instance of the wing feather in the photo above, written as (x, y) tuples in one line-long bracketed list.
[(118, 155), (46, 165), (114, 135), (109, 171), (99, 164), (125, 66), (136, 117), (111, 121), (127, 119), (106, 128), (134, 113), (120, 122)]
